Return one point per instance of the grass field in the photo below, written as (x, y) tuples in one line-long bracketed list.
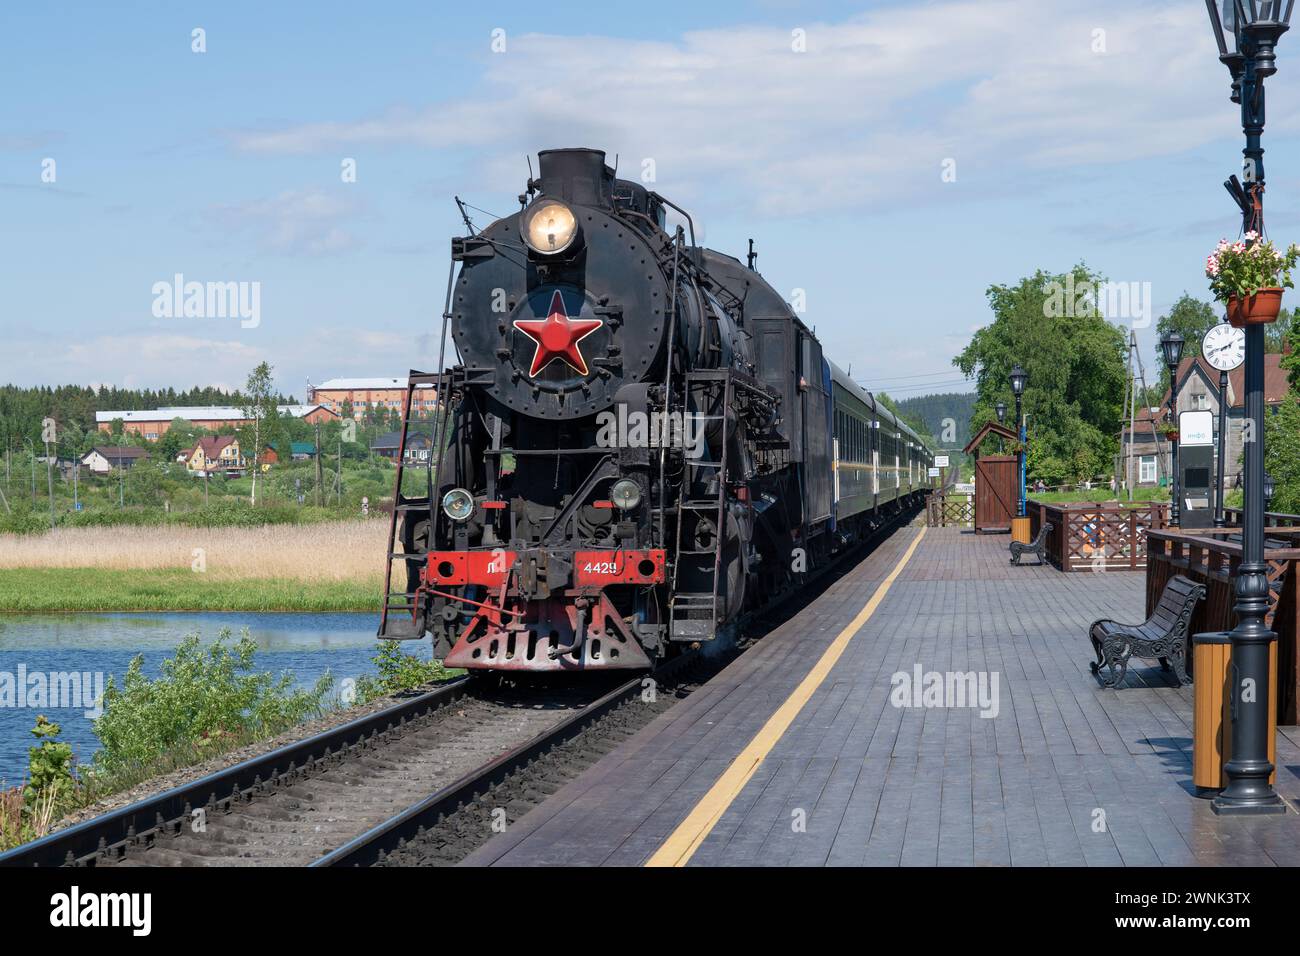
[(334, 566), (30, 590)]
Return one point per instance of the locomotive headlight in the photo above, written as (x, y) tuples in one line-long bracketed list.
[(458, 504), (626, 494), (548, 226)]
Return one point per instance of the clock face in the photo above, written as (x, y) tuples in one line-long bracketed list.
[(1224, 347)]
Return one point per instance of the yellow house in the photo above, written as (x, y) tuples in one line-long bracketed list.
[(214, 454)]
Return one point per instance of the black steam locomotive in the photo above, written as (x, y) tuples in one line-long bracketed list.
[(643, 441)]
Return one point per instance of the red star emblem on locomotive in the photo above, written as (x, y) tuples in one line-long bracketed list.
[(557, 337)]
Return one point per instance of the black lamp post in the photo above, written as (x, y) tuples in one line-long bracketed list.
[(1269, 487), (1247, 35), (1171, 343), (1018, 379), (1219, 520), (1001, 409)]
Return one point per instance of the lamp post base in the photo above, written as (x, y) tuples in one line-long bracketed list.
[(1273, 804)]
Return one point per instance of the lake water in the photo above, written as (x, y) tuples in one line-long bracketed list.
[(305, 645)]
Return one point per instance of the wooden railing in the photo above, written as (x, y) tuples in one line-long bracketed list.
[(950, 509), (1097, 537), (1211, 558), (1273, 519)]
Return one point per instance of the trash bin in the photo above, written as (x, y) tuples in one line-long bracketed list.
[(1020, 530), (1212, 709)]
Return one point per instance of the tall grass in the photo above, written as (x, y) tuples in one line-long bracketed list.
[(336, 550)]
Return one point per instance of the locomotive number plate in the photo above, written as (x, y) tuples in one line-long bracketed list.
[(619, 567)]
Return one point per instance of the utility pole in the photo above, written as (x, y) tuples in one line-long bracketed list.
[(49, 433), (320, 476)]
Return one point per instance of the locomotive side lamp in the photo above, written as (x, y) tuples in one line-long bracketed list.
[(458, 504), (626, 494), (548, 226)]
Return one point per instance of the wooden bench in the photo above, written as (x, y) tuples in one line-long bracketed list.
[(1161, 637), (1036, 546)]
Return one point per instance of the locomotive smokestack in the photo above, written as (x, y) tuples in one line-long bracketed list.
[(576, 176)]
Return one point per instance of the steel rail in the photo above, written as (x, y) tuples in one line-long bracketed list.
[(366, 849), (139, 823)]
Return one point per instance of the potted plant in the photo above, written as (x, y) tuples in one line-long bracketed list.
[(1248, 276)]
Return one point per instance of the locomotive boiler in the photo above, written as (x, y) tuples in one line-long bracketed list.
[(639, 441)]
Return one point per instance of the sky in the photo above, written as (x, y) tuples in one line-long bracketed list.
[(891, 161)]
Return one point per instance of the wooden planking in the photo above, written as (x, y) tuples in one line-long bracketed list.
[(883, 785)]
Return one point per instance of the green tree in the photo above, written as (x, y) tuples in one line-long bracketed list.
[(1282, 453), (1075, 360), (1190, 317), (1290, 360), (259, 407), (1277, 334)]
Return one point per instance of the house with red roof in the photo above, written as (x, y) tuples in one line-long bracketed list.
[(1198, 390), (216, 454)]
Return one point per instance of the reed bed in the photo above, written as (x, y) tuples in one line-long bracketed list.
[(328, 551)]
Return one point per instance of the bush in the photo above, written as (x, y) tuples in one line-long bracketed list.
[(207, 699), (50, 781), (399, 671)]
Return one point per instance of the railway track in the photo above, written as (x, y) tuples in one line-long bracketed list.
[(424, 782), (297, 803)]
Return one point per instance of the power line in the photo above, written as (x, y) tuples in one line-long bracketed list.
[(924, 386), (899, 378)]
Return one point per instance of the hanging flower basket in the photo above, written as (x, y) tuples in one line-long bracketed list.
[(1258, 309), (1248, 276)]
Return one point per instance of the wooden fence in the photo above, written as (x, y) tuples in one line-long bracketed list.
[(1272, 519), (1097, 537), (1211, 558), (950, 509)]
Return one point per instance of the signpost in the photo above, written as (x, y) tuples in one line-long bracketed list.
[(941, 469)]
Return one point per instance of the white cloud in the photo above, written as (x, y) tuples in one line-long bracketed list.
[(865, 116), (308, 222)]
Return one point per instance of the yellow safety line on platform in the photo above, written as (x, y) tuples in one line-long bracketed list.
[(690, 833)]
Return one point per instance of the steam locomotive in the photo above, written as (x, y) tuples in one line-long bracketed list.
[(643, 441)]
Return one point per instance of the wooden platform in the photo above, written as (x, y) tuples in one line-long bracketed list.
[(1066, 773)]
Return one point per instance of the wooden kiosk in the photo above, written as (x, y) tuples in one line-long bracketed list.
[(997, 481)]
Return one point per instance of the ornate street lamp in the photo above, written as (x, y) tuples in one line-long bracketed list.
[(1247, 35), (1269, 488), (1018, 379), (1171, 343), (1001, 409)]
